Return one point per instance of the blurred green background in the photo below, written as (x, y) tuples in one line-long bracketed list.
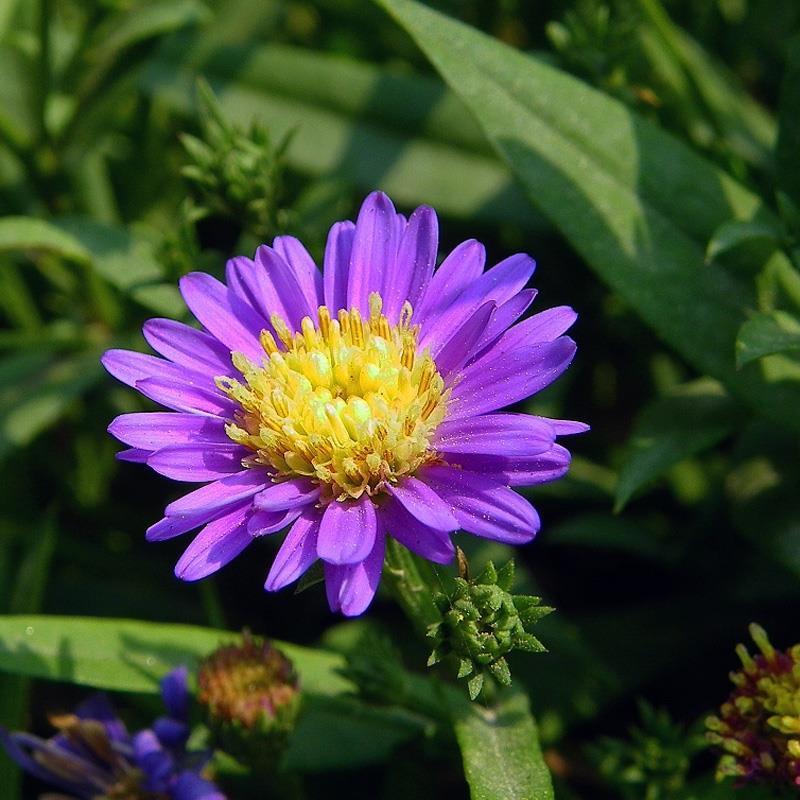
[(680, 520)]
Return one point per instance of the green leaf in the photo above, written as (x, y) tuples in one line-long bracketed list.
[(131, 656), (355, 121), (40, 393), (787, 166), (636, 203), (736, 232), (692, 418), (746, 127), (335, 733), (29, 588), (772, 332), (28, 233), (500, 748)]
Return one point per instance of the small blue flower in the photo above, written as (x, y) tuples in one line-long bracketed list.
[(93, 755)]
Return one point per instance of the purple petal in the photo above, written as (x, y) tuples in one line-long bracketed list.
[(217, 544), (198, 462), (20, 746), (453, 353), (482, 506), (347, 531), (504, 375), (135, 455), (157, 429), (155, 762), (130, 367), (338, 250), (374, 250), (423, 503), (264, 522), (98, 707), (567, 427), (499, 284), (351, 587), (463, 266), (224, 492), (506, 315), (293, 252), (434, 545), (190, 786), (497, 434), (188, 346), (171, 733), (224, 314), (413, 267), (170, 527), (521, 471), (293, 302), (288, 494), (186, 398), (175, 693), (297, 553)]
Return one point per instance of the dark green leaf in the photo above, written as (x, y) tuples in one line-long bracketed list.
[(637, 204), (787, 167), (500, 749), (773, 332), (737, 232), (691, 419)]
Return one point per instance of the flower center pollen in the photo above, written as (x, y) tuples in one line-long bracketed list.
[(349, 403)]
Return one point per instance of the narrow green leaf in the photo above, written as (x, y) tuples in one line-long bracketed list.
[(28, 233), (42, 395), (693, 418), (128, 655), (736, 232), (772, 332), (746, 127), (636, 203), (500, 748)]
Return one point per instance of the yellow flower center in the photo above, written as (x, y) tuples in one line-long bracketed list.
[(347, 402)]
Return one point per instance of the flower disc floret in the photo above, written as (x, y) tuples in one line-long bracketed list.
[(348, 402)]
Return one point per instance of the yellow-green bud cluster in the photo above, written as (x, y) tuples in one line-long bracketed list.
[(482, 623), (758, 727)]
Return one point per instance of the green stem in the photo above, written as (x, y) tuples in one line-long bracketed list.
[(413, 583)]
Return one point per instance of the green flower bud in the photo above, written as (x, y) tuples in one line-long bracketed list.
[(482, 623), (250, 695)]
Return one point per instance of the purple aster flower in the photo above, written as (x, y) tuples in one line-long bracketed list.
[(93, 755), (351, 403)]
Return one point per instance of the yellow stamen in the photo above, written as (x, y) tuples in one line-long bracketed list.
[(348, 401)]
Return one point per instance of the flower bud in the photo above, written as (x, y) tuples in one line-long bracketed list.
[(482, 623), (250, 694)]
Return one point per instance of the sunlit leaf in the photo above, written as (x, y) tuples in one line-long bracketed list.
[(764, 334), (636, 203)]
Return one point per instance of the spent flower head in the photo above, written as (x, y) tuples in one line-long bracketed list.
[(94, 757), (758, 726), (482, 622), (351, 404)]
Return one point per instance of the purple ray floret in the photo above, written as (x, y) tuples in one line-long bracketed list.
[(346, 405), (94, 755)]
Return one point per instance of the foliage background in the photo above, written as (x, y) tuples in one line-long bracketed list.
[(679, 522)]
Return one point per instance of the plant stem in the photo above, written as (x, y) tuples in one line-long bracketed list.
[(413, 583)]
